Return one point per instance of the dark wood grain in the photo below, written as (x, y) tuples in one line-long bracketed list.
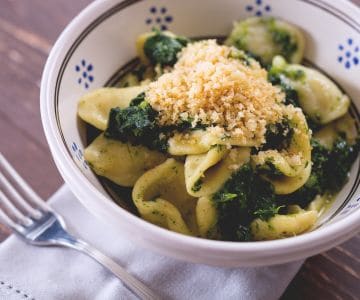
[(27, 31)]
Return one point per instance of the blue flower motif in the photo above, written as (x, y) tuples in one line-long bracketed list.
[(159, 17), (259, 8), (349, 54), (79, 155), (85, 73)]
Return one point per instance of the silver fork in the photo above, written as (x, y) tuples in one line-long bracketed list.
[(35, 222)]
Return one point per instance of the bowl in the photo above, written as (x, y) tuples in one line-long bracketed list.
[(99, 43)]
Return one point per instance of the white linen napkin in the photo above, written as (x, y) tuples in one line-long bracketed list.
[(29, 272)]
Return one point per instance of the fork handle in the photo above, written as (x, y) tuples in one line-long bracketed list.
[(135, 285)]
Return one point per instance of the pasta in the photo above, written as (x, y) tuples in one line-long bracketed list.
[(94, 107), (206, 217), (292, 160), (281, 226), (235, 141), (196, 142), (161, 198), (319, 97), (119, 162), (286, 185), (328, 134), (266, 38), (206, 173)]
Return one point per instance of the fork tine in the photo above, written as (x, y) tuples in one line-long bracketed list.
[(18, 198), (28, 191), (9, 223), (11, 208)]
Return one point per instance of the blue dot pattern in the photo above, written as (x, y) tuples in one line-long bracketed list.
[(349, 54), (79, 155), (84, 71), (258, 8), (159, 18)]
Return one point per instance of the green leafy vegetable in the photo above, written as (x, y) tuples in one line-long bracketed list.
[(329, 171), (278, 78), (243, 233), (244, 197), (278, 136), (269, 169), (284, 40), (136, 124), (268, 212), (341, 158), (138, 99), (163, 49)]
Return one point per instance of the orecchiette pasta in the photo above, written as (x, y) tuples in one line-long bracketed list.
[(95, 106), (206, 217), (206, 173), (266, 38), (196, 166), (319, 97), (161, 198), (328, 134), (195, 142), (318, 204), (281, 226), (294, 162), (120, 162), (201, 141), (285, 185)]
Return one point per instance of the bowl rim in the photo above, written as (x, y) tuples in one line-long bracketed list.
[(322, 238)]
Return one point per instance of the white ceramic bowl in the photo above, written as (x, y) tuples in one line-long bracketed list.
[(100, 40)]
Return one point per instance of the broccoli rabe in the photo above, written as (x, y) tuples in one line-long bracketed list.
[(163, 49), (136, 124), (279, 77), (278, 136), (341, 158), (244, 197), (284, 40), (269, 169), (330, 171)]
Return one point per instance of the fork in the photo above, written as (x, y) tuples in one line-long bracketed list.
[(28, 216)]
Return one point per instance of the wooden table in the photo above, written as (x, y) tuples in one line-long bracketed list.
[(27, 31)]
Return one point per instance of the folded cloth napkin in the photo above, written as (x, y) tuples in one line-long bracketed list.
[(29, 272)]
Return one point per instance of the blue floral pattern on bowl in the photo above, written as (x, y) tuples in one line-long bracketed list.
[(159, 18), (84, 71), (79, 155), (258, 8), (349, 54)]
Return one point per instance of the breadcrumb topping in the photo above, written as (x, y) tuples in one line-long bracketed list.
[(210, 87)]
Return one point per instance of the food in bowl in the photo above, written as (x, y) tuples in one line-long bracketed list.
[(232, 141)]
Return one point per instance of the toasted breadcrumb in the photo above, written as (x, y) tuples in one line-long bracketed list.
[(209, 87)]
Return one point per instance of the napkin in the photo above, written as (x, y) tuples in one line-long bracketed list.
[(30, 272)]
